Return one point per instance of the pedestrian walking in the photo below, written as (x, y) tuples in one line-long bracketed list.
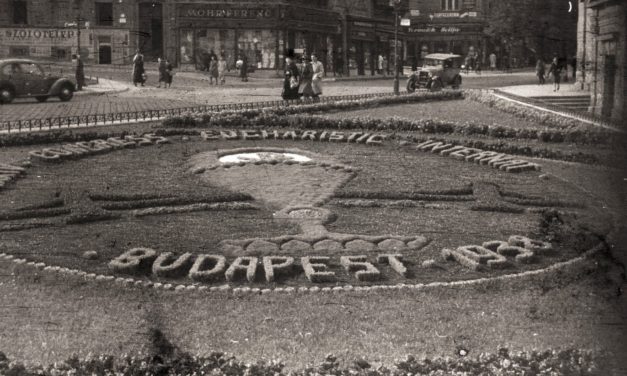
[(139, 74), (242, 65), (80, 73), (291, 80), (306, 78), (492, 59), (556, 70), (380, 62), (170, 72), (339, 64), (318, 73), (540, 71), (163, 72), (213, 70), (222, 67)]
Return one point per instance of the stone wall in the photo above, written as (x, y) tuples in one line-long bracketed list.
[(602, 46)]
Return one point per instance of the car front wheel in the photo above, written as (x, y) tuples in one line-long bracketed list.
[(6, 95), (66, 93), (457, 82), (436, 85)]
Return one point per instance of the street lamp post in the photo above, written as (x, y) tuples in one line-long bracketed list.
[(396, 4)]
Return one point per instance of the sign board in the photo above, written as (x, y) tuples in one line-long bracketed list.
[(405, 22), (414, 12), (212, 11)]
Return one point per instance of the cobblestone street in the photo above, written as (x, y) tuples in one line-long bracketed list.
[(193, 88)]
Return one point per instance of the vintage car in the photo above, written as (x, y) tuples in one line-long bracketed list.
[(21, 78), (437, 72)]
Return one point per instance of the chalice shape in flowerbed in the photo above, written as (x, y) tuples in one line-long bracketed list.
[(295, 184)]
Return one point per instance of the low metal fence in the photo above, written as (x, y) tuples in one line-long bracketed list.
[(579, 115), (117, 118)]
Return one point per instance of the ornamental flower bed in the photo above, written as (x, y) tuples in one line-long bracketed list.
[(192, 119), (489, 99), (573, 133), (176, 362)]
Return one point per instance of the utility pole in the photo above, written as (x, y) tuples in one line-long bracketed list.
[(396, 4)]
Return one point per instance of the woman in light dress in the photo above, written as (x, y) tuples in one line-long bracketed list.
[(318, 72)]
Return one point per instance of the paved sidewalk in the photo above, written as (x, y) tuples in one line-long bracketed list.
[(546, 90), (103, 86)]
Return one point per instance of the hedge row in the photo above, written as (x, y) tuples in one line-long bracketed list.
[(172, 361), (245, 119), (514, 149), (176, 201), (405, 195), (413, 196), (499, 146), (191, 119)]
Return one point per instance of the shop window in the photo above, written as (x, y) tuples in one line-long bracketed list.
[(214, 42), (187, 46), (19, 51), (104, 14), (259, 46), (450, 4), (20, 13), (61, 53), (470, 4)]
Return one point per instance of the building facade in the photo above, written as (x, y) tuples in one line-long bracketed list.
[(47, 29), (602, 56), (344, 33), (446, 26)]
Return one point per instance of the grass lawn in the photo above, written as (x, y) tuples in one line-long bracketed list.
[(47, 317)]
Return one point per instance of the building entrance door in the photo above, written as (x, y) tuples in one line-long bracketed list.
[(609, 77), (151, 30), (104, 54)]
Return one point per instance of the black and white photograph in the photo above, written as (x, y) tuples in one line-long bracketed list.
[(313, 187)]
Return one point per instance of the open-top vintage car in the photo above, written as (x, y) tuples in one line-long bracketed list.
[(22, 78), (437, 72)]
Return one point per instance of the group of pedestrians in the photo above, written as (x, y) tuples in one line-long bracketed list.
[(304, 81), (138, 76), (217, 70), (555, 70)]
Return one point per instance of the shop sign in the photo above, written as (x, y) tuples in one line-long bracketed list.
[(435, 30), (35, 35), (454, 14), (219, 12)]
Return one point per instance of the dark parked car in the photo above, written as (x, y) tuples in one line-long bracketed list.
[(438, 71), (21, 78)]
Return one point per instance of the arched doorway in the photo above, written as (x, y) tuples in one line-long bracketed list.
[(150, 40)]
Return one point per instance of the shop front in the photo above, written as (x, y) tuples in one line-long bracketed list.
[(462, 39), (98, 45), (371, 46), (260, 33)]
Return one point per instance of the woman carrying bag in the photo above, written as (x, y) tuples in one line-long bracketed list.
[(291, 80)]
